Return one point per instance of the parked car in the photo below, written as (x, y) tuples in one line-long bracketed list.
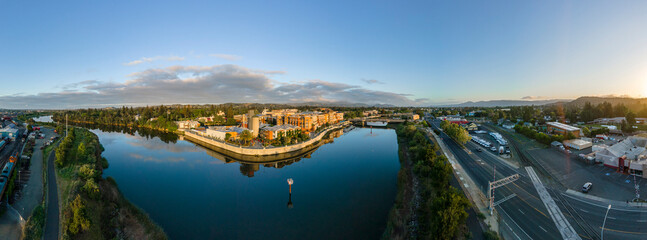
[(493, 149), (587, 187), (479, 149)]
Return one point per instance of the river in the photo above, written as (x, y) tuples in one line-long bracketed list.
[(342, 190)]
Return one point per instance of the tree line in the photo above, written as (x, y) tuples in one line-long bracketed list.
[(441, 213), (456, 132)]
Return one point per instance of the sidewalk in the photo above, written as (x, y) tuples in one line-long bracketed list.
[(468, 186)]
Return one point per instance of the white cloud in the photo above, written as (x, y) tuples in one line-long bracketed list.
[(372, 81), (151, 59), (204, 84), (228, 57), (534, 98)]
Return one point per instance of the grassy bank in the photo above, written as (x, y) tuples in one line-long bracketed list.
[(440, 212), (92, 206), (400, 213)]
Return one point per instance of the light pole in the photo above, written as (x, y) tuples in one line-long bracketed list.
[(605, 221)]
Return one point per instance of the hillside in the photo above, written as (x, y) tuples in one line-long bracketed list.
[(506, 103)]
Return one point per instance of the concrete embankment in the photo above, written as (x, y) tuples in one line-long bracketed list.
[(271, 151)]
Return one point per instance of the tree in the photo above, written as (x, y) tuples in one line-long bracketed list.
[(631, 118), (586, 131), (80, 152), (79, 222), (449, 214), (246, 136), (91, 188), (227, 136)]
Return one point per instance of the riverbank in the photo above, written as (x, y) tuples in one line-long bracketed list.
[(269, 151), (92, 207), (427, 206), (402, 219), (165, 130)]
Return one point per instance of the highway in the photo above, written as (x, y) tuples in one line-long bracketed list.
[(525, 213)]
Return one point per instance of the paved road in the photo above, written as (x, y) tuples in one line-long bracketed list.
[(32, 193), (52, 219), (525, 214), (623, 222)]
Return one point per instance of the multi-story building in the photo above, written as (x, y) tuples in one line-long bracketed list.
[(563, 129), (273, 132)]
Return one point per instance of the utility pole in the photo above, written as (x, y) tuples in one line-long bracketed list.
[(496, 184), (66, 125)]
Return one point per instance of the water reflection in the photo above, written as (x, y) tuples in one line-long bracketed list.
[(220, 200), (142, 132), (249, 165)]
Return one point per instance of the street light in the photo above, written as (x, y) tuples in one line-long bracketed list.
[(603, 222)]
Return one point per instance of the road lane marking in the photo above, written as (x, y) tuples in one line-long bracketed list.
[(521, 212), (515, 223), (563, 225), (584, 210), (611, 218), (620, 231), (641, 220), (542, 228)]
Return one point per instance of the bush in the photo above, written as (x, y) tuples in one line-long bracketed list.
[(87, 171), (78, 221), (92, 189)]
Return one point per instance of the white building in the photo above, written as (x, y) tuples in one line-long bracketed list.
[(187, 124), (628, 156)]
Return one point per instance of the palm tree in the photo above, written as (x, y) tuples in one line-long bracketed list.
[(246, 136)]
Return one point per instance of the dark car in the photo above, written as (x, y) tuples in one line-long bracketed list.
[(587, 187), (479, 149)]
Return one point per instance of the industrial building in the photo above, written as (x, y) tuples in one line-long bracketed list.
[(628, 156), (10, 132), (563, 129), (578, 144)]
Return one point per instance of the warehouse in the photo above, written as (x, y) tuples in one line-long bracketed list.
[(9, 132), (578, 144), (563, 129), (628, 156)]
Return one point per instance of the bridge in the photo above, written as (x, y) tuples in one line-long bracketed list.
[(364, 120)]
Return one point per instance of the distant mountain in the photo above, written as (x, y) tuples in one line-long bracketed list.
[(627, 101), (338, 104), (506, 103)]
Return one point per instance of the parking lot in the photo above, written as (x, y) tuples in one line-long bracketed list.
[(491, 140), (573, 173)]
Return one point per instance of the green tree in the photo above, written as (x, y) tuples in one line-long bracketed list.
[(87, 171), (246, 136), (91, 188), (586, 132), (631, 118), (449, 214), (80, 152), (227, 136), (78, 222)]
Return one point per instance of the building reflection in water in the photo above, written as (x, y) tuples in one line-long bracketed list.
[(248, 167)]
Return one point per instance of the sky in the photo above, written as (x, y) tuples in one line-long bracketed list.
[(77, 54)]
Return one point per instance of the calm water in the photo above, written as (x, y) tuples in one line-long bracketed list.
[(343, 191)]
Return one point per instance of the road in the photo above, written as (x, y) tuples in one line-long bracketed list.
[(526, 214), (52, 218)]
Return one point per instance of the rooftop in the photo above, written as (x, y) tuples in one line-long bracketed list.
[(563, 126)]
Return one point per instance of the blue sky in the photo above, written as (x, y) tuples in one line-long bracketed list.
[(77, 54)]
